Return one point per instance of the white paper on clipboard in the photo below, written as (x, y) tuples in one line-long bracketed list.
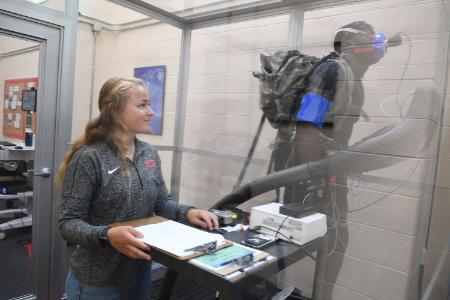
[(175, 238)]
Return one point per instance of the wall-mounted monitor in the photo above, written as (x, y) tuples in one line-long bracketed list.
[(29, 99)]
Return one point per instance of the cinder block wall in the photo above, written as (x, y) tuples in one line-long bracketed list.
[(380, 259), (223, 106)]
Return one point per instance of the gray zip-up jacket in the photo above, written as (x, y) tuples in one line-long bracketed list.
[(98, 191)]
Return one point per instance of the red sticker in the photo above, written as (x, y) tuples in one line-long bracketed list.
[(150, 163)]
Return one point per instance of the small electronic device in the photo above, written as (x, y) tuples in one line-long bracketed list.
[(259, 241), (29, 99), (268, 219), (297, 210), (225, 217)]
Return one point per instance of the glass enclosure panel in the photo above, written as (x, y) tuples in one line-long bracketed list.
[(19, 61), (222, 110), (374, 147), (53, 4), (372, 150), (366, 156), (191, 8), (108, 13), (119, 50), (437, 262)]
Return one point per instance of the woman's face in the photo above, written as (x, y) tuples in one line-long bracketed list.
[(137, 113)]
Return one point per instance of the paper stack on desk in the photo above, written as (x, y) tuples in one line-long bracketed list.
[(178, 239)]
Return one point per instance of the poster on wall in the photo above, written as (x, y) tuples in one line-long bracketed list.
[(155, 78), (17, 117)]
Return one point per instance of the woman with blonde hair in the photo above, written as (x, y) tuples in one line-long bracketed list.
[(110, 176)]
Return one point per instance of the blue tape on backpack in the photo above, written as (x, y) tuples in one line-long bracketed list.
[(314, 109)]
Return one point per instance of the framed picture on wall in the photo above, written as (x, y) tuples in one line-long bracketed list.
[(155, 78)]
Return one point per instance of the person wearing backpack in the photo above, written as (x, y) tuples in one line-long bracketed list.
[(330, 105), (333, 98)]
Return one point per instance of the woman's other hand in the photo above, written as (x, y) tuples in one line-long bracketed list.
[(203, 218), (125, 240)]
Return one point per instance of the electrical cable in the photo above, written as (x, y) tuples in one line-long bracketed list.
[(289, 239), (339, 222), (306, 197), (335, 209), (278, 232), (387, 193), (399, 107), (404, 72), (336, 223), (279, 227), (360, 185)]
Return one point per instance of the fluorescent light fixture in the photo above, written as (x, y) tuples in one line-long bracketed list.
[(36, 1)]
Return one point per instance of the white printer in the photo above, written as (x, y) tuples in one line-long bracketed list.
[(299, 230)]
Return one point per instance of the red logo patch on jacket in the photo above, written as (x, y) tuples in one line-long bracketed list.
[(150, 163)]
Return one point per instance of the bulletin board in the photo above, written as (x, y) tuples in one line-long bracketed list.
[(15, 121)]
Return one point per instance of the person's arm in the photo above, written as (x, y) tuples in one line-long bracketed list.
[(78, 189), (315, 106), (319, 94)]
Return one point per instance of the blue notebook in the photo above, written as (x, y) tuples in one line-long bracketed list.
[(234, 254), (231, 259)]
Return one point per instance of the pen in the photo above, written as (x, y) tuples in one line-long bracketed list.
[(206, 248), (241, 261)]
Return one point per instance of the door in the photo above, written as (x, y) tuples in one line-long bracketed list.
[(19, 60), (54, 33)]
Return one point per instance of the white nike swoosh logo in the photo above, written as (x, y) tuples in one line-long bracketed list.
[(112, 171)]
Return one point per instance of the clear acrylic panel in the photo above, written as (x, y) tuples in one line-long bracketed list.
[(371, 163), (377, 146), (58, 5), (117, 51), (191, 8), (109, 13), (222, 110)]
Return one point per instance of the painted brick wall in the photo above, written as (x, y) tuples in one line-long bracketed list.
[(380, 258)]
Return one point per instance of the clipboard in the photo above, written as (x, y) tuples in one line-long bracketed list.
[(141, 222), (180, 241), (209, 263)]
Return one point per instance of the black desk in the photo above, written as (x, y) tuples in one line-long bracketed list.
[(232, 289)]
